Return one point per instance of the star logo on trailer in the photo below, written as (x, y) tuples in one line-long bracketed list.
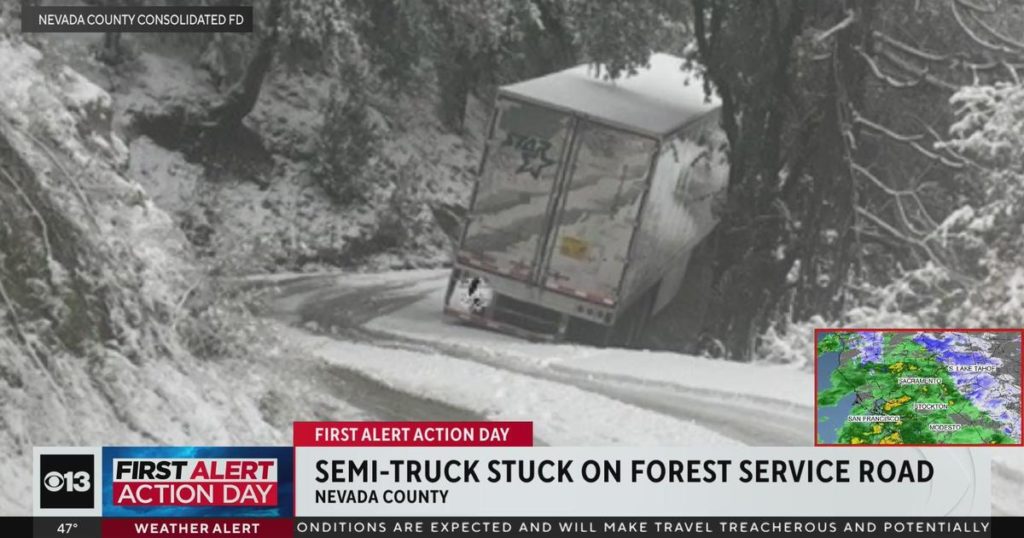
[(533, 151)]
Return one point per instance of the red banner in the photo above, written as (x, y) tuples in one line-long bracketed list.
[(413, 434)]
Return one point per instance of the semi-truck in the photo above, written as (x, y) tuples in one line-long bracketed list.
[(591, 196)]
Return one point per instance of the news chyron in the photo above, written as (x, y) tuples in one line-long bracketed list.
[(159, 482)]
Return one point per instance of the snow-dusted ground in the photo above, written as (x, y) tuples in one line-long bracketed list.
[(270, 214), (388, 326), (574, 394), (562, 415), (422, 320), (1007, 481)]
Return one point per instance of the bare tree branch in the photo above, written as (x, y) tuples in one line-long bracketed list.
[(897, 197), (909, 49), (910, 140), (1013, 72), (970, 33), (179, 307), (946, 150), (890, 80), (44, 230), (878, 221), (951, 61), (881, 184), (921, 74), (851, 17), (87, 206), (995, 33), (27, 345), (975, 7)]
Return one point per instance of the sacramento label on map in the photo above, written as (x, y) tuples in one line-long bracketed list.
[(899, 387)]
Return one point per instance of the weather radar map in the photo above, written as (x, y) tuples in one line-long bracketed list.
[(918, 388)]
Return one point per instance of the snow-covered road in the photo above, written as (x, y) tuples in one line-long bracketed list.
[(383, 337), (347, 320)]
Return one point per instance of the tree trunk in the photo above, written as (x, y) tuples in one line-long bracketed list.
[(826, 239), (790, 177), (110, 54), (241, 98), (456, 79), (748, 58)]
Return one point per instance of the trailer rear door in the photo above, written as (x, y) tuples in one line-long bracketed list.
[(509, 214), (604, 189)]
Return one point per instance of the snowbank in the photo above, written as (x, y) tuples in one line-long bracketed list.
[(562, 415), (423, 320)]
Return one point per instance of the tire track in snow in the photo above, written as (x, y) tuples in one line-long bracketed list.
[(751, 420), (747, 420), (386, 403), (333, 310), (305, 300)]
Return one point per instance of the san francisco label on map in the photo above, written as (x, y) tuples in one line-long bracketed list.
[(918, 387)]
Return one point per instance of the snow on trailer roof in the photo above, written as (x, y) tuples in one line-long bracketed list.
[(657, 100)]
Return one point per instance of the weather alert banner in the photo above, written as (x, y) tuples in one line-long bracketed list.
[(199, 482)]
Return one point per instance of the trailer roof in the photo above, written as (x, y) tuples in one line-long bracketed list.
[(657, 100)]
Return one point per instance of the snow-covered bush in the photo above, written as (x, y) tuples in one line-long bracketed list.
[(10, 17), (789, 344), (216, 321), (990, 126), (984, 284), (990, 131)]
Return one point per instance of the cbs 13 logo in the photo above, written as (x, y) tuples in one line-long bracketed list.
[(67, 480)]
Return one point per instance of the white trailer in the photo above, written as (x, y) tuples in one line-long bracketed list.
[(590, 197)]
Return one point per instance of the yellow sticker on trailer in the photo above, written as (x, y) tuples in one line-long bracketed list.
[(574, 247)]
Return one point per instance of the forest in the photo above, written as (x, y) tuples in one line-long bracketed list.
[(158, 189), (875, 147)]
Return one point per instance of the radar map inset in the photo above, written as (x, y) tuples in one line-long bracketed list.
[(882, 387)]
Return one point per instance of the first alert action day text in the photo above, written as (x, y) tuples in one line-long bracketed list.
[(407, 434)]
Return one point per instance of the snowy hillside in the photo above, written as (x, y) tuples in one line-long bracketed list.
[(97, 343), (255, 208)]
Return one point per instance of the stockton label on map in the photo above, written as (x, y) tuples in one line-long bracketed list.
[(894, 387)]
